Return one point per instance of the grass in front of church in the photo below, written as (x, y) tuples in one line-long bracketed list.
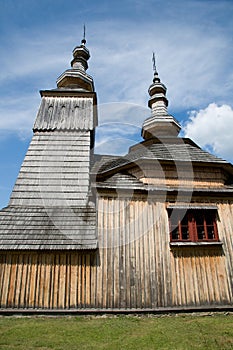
[(214, 331)]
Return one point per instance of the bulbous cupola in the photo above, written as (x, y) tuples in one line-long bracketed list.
[(160, 123), (76, 77)]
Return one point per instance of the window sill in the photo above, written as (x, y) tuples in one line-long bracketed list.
[(195, 244)]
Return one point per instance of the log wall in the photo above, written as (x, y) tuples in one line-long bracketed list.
[(134, 267)]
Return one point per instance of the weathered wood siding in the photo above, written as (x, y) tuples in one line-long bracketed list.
[(134, 267), (225, 230), (134, 254), (55, 170), (199, 277), (47, 280), (203, 275)]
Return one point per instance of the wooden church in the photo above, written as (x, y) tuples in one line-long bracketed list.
[(148, 231)]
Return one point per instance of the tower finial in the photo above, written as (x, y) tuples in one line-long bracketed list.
[(156, 75), (154, 64), (84, 35)]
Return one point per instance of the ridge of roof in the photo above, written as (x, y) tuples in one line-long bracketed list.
[(182, 151)]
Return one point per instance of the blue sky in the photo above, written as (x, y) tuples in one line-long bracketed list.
[(193, 42)]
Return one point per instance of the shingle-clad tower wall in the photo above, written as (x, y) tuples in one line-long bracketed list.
[(55, 170), (49, 207)]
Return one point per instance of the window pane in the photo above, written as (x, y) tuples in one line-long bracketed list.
[(193, 225), (185, 232), (200, 232), (210, 218), (210, 232), (199, 218), (175, 233)]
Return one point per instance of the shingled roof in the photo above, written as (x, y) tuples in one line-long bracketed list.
[(33, 228), (176, 150)]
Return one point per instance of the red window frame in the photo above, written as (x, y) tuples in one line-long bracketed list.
[(193, 225)]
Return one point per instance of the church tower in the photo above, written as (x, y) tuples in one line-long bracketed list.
[(55, 171), (50, 206)]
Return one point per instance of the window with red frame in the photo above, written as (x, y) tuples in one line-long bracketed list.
[(193, 225)]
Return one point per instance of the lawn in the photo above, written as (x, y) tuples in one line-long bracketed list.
[(214, 331)]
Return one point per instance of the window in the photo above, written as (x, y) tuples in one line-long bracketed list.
[(193, 225)]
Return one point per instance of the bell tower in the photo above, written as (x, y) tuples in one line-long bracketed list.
[(55, 171)]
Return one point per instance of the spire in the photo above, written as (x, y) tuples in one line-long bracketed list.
[(156, 76), (84, 35), (160, 123), (76, 77), (157, 91)]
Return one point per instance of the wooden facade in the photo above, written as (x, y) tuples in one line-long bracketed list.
[(92, 232), (134, 268)]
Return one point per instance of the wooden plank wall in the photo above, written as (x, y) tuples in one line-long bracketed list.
[(134, 266), (134, 254), (225, 230), (199, 277), (46, 280), (203, 275)]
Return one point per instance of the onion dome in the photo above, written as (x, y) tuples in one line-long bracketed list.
[(160, 123), (76, 77)]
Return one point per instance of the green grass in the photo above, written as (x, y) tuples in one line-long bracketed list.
[(121, 332)]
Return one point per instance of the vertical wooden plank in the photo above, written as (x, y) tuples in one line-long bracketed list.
[(56, 281), (195, 285), (108, 252), (33, 280), (225, 230), (178, 287), (23, 280), (99, 254), (79, 280), (165, 237), (137, 257), (41, 280), (28, 263), (19, 280), (132, 257), (142, 257), (46, 280), (158, 276), (188, 273), (146, 234), (93, 268), (126, 266), (223, 280), (12, 285), (6, 281), (153, 258), (115, 254), (208, 292), (173, 279), (122, 298), (214, 274), (88, 281), (198, 266), (2, 273), (104, 254), (51, 278), (67, 280), (73, 280), (62, 281)]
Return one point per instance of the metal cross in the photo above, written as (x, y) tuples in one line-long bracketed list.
[(154, 64)]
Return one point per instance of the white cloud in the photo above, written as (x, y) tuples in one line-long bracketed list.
[(212, 129), (18, 114), (119, 127)]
